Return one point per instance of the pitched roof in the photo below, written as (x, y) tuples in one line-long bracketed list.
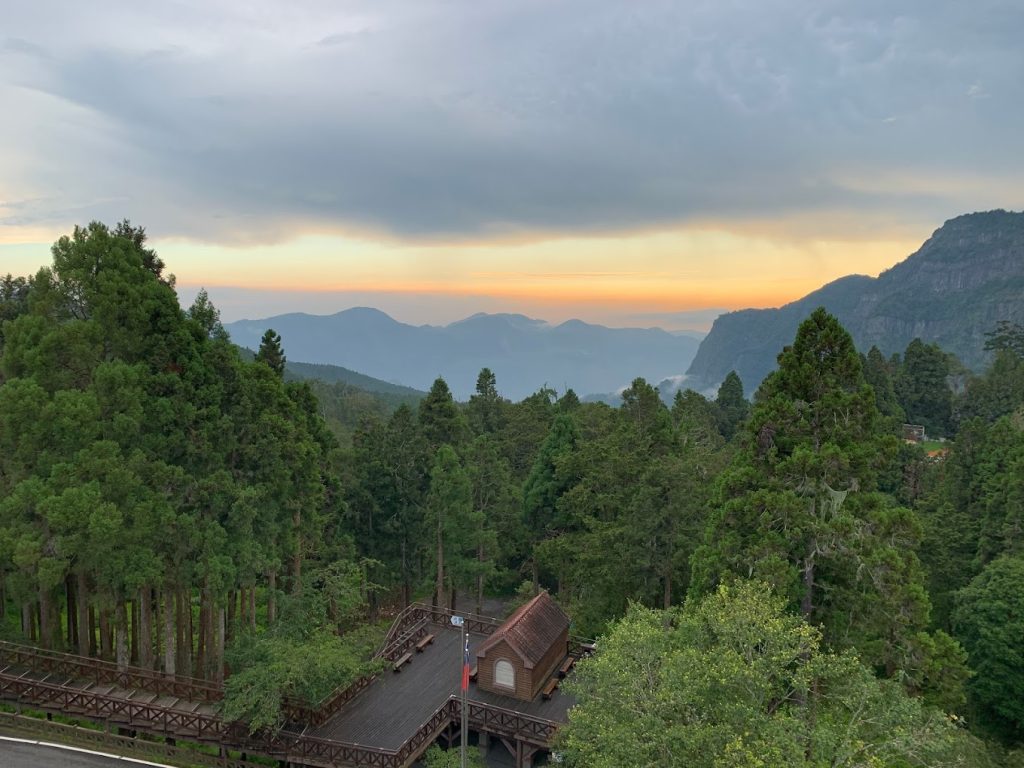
[(531, 630)]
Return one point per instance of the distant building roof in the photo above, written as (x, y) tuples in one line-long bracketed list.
[(531, 630), (913, 433)]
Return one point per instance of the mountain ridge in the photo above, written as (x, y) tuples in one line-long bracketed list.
[(964, 278), (524, 353)]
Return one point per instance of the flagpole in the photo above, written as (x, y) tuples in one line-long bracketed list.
[(460, 622), (465, 687)]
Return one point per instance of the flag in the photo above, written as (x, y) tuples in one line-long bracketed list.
[(465, 666)]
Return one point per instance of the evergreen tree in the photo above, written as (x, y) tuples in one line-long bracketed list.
[(207, 317), (736, 680), (486, 408), (696, 420), (732, 405), (440, 420), (799, 507), (270, 352), (545, 485), (879, 375), (456, 526), (495, 499), (922, 387), (989, 620)]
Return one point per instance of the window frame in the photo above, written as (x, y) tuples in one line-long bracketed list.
[(512, 670)]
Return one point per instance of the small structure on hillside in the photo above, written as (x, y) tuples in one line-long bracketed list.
[(523, 652), (913, 433)]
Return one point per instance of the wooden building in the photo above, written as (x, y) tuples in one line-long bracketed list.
[(522, 653)]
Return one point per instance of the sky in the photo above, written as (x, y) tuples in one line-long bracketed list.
[(632, 162)]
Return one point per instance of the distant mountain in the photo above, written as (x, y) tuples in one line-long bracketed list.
[(954, 289), (525, 354)]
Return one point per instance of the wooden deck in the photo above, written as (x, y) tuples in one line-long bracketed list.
[(395, 705), (382, 721)]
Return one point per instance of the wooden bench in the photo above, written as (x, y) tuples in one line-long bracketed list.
[(566, 666), (424, 642), (550, 687), (403, 660)]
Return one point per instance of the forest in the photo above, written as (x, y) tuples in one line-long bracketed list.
[(779, 580)]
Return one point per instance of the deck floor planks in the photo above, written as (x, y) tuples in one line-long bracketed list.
[(390, 710)]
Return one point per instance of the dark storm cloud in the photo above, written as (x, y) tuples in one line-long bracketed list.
[(439, 119)]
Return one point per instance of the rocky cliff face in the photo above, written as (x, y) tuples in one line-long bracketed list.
[(967, 276)]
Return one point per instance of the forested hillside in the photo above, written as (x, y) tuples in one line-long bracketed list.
[(346, 397), (773, 583)]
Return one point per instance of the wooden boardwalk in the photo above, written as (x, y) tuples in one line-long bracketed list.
[(395, 705), (385, 721)]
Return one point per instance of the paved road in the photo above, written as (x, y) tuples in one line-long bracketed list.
[(15, 755)]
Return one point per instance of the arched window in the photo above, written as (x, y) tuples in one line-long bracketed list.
[(504, 674)]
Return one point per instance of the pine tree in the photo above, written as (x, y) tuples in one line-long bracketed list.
[(799, 506), (487, 408), (440, 420), (732, 405), (271, 353)]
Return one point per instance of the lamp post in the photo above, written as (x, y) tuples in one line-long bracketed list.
[(458, 621)]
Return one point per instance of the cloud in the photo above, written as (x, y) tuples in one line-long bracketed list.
[(425, 119)]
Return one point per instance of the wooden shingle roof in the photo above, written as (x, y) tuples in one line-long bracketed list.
[(531, 630)]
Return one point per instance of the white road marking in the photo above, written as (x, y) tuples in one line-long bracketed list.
[(134, 760)]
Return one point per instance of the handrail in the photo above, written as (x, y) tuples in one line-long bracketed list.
[(102, 671), (405, 630), (407, 627), (212, 728)]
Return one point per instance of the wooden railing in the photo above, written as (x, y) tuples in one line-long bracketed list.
[(102, 672), (136, 747), (405, 631), (298, 748)]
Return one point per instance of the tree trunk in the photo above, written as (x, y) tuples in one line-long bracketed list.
[(243, 607), (439, 590), (69, 593), (252, 607), (145, 628), (133, 653), (297, 558), (480, 580), (233, 599), (218, 672), (92, 632), (185, 635), (28, 622), (271, 596), (807, 600), (106, 652), (668, 590), (170, 646), (46, 619), (406, 586), (156, 628), (121, 635), (204, 628)]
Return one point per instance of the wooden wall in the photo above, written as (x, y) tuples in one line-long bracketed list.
[(528, 682)]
